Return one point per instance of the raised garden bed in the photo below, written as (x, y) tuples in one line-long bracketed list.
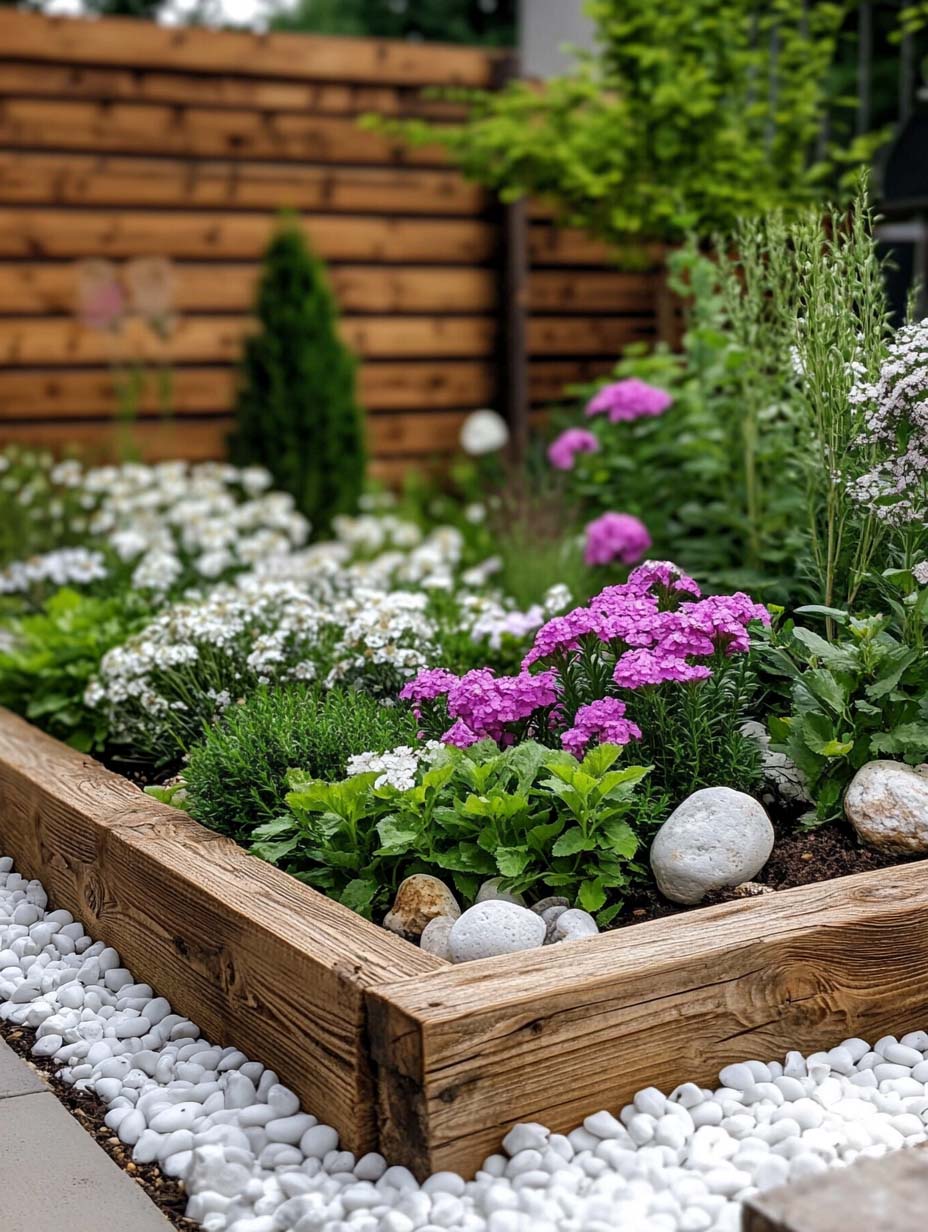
[(432, 1063)]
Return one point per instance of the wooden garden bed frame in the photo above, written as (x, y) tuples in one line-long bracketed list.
[(428, 1062)]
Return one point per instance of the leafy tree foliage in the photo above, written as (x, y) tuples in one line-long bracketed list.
[(693, 113), (447, 21)]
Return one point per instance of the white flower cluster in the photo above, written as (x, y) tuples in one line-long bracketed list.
[(63, 567), (396, 767), (487, 618), (920, 573), (386, 639), (174, 519), (175, 677), (895, 431)]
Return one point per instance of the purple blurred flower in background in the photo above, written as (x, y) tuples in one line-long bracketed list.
[(616, 537), (563, 450), (628, 400)]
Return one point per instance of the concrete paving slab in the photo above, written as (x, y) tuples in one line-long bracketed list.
[(16, 1078), (55, 1178)]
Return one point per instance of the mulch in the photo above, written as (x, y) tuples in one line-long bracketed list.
[(89, 1111)]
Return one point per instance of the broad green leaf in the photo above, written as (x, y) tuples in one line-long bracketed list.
[(592, 895), (571, 842), (512, 861), (621, 838)]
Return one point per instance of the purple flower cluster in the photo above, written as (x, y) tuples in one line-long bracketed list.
[(615, 537), (644, 633), (563, 449), (653, 643), (603, 721), (627, 400)]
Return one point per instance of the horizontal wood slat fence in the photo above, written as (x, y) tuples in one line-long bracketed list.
[(121, 139)]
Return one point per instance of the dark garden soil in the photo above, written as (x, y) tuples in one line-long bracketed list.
[(89, 1111), (800, 857)]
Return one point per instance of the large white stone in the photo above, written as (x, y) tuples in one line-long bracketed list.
[(887, 804), (495, 927), (717, 837)]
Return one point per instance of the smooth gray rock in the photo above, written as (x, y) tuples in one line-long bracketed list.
[(490, 890), (887, 804), (575, 925), (495, 927), (436, 937), (783, 777), (717, 837)]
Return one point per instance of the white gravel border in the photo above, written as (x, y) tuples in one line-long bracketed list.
[(251, 1161)]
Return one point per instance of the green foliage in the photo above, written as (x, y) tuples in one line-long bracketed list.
[(532, 816), (236, 778), (48, 658), (860, 696), (296, 412), (716, 478), (693, 114), (446, 21)]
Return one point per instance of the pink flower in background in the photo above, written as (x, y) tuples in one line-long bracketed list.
[(101, 300), (628, 400), (603, 721), (563, 450), (616, 537)]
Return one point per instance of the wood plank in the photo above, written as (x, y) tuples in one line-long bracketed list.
[(576, 335), (297, 57), (872, 1195), (253, 956), (61, 393), (38, 80), (591, 291), (550, 379), (57, 233), (551, 245), (201, 132), (216, 339), (28, 178), (555, 1034), (29, 288), (414, 434)]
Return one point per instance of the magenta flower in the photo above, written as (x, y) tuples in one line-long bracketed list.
[(563, 450), (460, 735), (603, 721), (638, 668), (616, 537), (624, 401)]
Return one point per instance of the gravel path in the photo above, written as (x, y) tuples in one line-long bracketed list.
[(252, 1161)]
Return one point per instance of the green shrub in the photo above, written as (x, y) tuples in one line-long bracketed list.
[(48, 658), (296, 411), (534, 817), (236, 778), (860, 696)]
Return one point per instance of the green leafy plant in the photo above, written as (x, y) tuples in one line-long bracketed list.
[(532, 816), (860, 696), (296, 411), (236, 778), (692, 114), (48, 658)]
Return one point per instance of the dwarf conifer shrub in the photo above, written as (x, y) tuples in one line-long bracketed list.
[(296, 410), (236, 779)]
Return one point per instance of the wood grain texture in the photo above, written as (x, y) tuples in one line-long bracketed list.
[(218, 339), (53, 234), (252, 955), (201, 438), (64, 392), (28, 178), (31, 79), (554, 1035), (121, 41), (872, 1195), (201, 132)]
